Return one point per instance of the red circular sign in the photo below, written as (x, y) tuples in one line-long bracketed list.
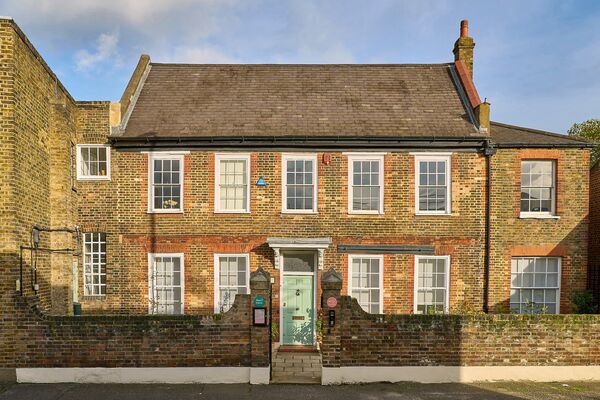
[(331, 302)]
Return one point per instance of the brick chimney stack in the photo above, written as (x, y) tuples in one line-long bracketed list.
[(463, 47)]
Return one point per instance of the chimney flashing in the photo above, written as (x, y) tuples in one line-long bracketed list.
[(467, 83)]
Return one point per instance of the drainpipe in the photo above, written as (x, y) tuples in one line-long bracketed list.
[(489, 150)]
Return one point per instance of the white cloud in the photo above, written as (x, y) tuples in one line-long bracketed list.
[(152, 17), (196, 55), (132, 11), (106, 49)]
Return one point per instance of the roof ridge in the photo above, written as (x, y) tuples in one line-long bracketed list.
[(533, 130), (302, 65)]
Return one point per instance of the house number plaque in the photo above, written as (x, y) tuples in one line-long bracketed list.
[(331, 302)]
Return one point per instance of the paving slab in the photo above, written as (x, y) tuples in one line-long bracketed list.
[(384, 391)]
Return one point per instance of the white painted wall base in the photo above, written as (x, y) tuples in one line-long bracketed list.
[(333, 376), (260, 376), (144, 375)]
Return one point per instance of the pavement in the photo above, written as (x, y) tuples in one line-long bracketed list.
[(398, 391)]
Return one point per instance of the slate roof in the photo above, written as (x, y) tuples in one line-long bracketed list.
[(194, 100), (505, 135)]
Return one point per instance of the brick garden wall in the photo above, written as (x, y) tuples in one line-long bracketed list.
[(135, 341), (361, 339)]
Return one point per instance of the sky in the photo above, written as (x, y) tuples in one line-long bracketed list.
[(536, 61)]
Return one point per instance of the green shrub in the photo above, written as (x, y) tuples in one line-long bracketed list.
[(584, 302)]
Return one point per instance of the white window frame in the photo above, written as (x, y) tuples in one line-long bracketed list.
[(165, 156), (298, 156), (351, 258), (79, 162), (446, 157), (151, 259), (540, 214), (559, 280), (85, 288), (217, 283), (364, 157), (234, 157), (416, 280)]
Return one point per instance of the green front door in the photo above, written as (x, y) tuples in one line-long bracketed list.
[(298, 310)]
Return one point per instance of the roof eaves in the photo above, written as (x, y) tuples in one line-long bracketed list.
[(275, 142)]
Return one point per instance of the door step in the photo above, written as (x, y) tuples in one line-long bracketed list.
[(296, 367), (298, 349)]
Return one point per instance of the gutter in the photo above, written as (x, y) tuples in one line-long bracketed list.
[(293, 142)]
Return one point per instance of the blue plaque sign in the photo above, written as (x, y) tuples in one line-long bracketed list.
[(261, 182)]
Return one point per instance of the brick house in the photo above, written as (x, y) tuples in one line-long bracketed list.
[(393, 175)]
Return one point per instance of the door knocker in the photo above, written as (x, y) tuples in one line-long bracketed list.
[(297, 292)]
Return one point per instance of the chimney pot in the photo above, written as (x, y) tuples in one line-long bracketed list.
[(464, 28)]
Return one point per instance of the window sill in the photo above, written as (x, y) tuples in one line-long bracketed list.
[(164, 212), (365, 212), (93, 178), (299, 212), (231, 212), (538, 216), (94, 297), (420, 213)]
